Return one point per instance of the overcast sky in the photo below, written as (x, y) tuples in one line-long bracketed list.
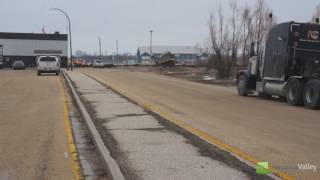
[(175, 22)]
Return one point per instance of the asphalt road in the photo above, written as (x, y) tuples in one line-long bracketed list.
[(268, 130), (33, 139), (145, 147)]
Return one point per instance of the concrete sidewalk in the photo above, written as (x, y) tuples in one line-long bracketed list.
[(144, 147)]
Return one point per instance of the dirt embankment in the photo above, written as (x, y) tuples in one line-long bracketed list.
[(192, 73)]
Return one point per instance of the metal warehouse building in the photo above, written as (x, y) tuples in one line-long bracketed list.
[(27, 46), (185, 55)]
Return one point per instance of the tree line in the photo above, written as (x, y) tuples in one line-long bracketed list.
[(230, 36)]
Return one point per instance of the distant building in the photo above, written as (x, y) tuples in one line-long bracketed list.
[(27, 46), (145, 59), (185, 55)]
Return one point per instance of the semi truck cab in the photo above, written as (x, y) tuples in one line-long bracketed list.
[(290, 67)]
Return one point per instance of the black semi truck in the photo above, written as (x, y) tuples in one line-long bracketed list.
[(290, 67)]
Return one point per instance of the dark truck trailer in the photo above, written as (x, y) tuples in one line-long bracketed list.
[(290, 68)]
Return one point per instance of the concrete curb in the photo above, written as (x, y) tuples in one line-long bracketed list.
[(109, 163)]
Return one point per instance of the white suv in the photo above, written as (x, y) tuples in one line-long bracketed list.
[(48, 64), (98, 63)]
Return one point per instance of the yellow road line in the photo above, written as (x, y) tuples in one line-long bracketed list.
[(203, 135), (74, 160)]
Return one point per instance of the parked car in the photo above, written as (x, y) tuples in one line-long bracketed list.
[(98, 63), (1, 62), (18, 65), (89, 64), (48, 64)]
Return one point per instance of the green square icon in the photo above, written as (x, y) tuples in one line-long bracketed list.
[(262, 168)]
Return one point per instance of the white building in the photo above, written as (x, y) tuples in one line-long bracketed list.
[(26, 46)]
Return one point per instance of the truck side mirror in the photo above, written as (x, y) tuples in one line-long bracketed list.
[(252, 53)]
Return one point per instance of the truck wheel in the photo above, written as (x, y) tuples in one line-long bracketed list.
[(39, 73), (242, 86), (294, 92), (311, 94)]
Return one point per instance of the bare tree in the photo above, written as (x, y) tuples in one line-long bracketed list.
[(236, 26), (264, 20), (246, 34), (259, 14), (228, 37), (316, 14), (219, 44)]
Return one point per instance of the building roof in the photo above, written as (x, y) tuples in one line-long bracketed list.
[(171, 49), (34, 36)]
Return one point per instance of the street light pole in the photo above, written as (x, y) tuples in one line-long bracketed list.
[(66, 15), (151, 31), (100, 53), (117, 49)]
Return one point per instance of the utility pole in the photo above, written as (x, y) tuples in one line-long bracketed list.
[(117, 49), (318, 13), (117, 46), (100, 53), (151, 31)]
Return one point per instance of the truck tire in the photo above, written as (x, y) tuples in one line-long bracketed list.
[(311, 94), (242, 86), (294, 92)]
